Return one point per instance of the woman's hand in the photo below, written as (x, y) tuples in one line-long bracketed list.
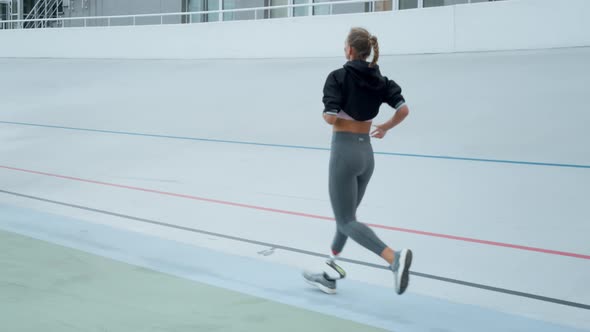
[(330, 119), (397, 118), (379, 132)]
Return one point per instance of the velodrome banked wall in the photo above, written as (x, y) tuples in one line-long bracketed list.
[(505, 25)]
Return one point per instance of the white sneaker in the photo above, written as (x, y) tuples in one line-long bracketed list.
[(401, 270), (321, 281)]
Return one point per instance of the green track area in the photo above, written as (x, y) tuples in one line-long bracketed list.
[(47, 287)]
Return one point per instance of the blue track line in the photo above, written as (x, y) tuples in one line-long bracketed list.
[(517, 162)]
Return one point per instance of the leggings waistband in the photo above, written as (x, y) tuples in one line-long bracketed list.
[(348, 137)]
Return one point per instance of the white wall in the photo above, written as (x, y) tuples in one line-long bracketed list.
[(519, 106), (513, 24), (525, 24)]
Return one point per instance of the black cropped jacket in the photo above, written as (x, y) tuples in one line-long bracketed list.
[(359, 90)]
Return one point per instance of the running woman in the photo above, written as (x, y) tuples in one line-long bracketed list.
[(352, 97)]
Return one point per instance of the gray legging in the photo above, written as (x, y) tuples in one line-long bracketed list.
[(351, 167)]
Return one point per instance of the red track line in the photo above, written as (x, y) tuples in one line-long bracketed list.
[(307, 215)]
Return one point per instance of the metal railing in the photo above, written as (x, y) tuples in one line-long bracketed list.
[(8, 15), (43, 10), (219, 15)]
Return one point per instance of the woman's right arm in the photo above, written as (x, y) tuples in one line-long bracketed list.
[(397, 118), (394, 98)]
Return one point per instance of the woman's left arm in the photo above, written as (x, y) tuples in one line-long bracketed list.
[(332, 99), (329, 118)]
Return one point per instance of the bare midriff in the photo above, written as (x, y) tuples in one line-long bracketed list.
[(352, 126)]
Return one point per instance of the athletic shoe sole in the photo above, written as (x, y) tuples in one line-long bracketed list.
[(403, 276)]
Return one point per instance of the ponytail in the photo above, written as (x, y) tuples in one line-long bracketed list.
[(363, 43), (375, 45)]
